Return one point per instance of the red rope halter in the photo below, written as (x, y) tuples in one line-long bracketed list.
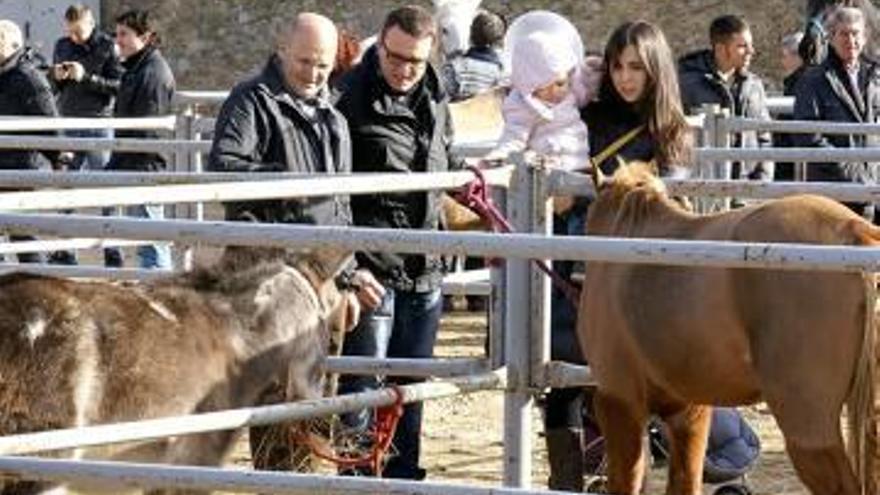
[(475, 196), (385, 421)]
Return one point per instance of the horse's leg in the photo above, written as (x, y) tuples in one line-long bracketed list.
[(622, 424), (688, 434), (816, 448)]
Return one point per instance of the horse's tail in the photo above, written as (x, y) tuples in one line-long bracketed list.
[(863, 442)]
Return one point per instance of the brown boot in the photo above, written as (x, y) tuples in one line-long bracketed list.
[(565, 454)]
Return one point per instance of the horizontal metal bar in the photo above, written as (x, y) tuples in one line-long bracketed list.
[(150, 476), (808, 155), (424, 368), (302, 187), (30, 124), (566, 183), (195, 97), (740, 124), (99, 144), (48, 246), (89, 436), (530, 246), (559, 374)]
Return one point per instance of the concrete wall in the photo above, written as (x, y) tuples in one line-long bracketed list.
[(212, 43)]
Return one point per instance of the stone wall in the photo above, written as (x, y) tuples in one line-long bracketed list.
[(213, 43)]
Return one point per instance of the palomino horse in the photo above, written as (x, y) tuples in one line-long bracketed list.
[(671, 340)]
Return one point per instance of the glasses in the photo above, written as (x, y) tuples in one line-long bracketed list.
[(398, 60)]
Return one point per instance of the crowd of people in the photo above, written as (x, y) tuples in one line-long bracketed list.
[(321, 106)]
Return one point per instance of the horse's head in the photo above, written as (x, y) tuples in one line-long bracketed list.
[(632, 182), (454, 19)]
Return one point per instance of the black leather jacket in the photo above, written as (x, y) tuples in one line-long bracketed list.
[(24, 90), (93, 95), (263, 127), (398, 133)]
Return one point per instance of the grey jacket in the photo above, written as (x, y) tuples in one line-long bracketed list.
[(745, 97)]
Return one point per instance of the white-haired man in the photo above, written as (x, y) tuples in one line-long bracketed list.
[(24, 90), (843, 88)]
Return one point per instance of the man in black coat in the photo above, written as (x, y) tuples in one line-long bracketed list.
[(843, 88), (86, 72), (145, 90), (398, 114), (24, 90), (720, 76), (281, 121)]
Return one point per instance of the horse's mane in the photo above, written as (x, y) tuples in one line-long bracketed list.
[(635, 194)]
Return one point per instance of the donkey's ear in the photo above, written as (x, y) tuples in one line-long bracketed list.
[(599, 178)]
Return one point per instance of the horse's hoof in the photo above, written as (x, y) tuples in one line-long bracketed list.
[(733, 490)]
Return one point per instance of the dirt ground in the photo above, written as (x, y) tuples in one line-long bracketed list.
[(463, 435)]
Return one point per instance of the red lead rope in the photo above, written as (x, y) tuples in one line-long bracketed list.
[(384, 425), (475, 195)]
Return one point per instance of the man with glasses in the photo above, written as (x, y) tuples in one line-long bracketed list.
[(398, 116), (843, 88)]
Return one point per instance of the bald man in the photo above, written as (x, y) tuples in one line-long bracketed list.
[(281, 121)]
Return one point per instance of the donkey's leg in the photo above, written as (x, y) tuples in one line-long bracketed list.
[(688, 435), (622, 424), (815, 445)]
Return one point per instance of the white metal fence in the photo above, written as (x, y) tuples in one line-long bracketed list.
[(525, 357)]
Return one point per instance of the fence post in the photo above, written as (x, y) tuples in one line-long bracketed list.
[(541, 223), (518, 398), (497, 297), (723, 140), (705, 170)]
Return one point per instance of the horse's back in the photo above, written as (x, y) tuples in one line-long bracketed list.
[(478, 118)]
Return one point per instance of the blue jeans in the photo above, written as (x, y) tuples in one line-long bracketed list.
[(85, 161), (149, 255), (403, 326), (90, 160)]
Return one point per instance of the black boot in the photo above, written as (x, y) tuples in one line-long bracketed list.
[(565, 454)]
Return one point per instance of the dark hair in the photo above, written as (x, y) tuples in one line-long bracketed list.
[(487, 29), (660, 106), (141, 22), (726, 26), (412, 20), (77, 12)]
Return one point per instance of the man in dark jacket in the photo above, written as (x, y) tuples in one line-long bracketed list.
[(24, 90), (721, 76), (843, 88), (145, 90), (86, 72), (398, 114), (281, 121)]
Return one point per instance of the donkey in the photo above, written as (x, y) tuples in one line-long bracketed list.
[(77, 353)]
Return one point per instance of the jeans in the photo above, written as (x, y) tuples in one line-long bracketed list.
[(403, 326), (149, 255), (84, 161), (90, 160)]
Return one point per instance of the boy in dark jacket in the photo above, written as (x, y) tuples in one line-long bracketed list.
[(146, 90)]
